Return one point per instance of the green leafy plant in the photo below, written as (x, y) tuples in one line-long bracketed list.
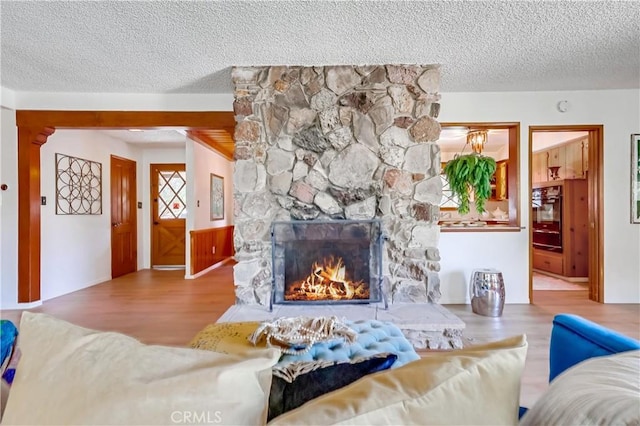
[(467, 173)]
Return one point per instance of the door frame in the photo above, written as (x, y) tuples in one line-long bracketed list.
[(595, 183), (34, 128)]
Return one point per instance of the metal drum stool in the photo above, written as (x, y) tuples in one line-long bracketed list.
[(487, 292)]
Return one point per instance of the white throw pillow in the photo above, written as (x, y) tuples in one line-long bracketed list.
[(598, 391), (72, 375)]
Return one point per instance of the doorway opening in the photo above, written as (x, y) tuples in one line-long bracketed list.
[(34, 128), (565, 176)]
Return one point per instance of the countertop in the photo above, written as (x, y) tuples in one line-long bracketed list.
[(478, 226)]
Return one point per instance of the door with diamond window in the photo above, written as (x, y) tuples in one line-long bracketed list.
[(168, 214)]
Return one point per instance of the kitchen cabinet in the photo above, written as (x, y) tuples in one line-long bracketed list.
[(571, 158), (557, 157), (539, 167), (572, 261), (557, 162), (576, 160), (548, 261)]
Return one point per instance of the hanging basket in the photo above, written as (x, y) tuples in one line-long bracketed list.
[(470, 175)]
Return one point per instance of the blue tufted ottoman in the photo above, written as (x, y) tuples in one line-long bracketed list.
[(374, 337)]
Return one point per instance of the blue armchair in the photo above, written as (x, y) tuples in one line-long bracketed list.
[(575, 339)]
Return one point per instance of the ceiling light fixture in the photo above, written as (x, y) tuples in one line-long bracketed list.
[(135, 130), (477, 139)]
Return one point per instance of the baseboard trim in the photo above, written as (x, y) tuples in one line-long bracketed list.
[(209, 269), (22, 306)]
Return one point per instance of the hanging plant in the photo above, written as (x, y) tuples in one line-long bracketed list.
[(467, 173)]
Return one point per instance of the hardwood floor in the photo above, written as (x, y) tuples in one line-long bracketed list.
[(160, 307), (154, 306)]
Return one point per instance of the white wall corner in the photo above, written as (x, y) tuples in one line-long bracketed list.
[(7, 98)]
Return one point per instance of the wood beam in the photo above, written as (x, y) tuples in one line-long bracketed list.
[(124, 119)]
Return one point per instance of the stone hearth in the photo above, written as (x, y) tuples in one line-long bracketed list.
[(425, 325)]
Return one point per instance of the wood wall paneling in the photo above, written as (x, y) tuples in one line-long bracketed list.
[(220, 140), (203, 242)]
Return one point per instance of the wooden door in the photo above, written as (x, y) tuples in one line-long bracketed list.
[(124, 242), (168, 214)]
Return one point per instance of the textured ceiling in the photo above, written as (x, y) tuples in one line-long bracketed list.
[(149, 138), (190, 46)]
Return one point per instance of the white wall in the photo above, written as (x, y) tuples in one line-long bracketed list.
[(153, 156), (207, 161), (201, 162), (8, 210), (76, 249), (619, 112)]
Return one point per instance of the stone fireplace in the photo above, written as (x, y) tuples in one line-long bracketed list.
[(339, 143), (320, 262), (336, 145)]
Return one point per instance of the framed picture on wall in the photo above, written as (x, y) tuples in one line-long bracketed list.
[(217, 197), (635, 178)]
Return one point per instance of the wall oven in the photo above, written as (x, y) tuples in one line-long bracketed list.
[(546, 206)]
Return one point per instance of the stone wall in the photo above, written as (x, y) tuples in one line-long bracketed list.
[(339, 142)]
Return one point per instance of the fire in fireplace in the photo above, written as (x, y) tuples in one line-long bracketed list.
[(328, 280), (327, 261)]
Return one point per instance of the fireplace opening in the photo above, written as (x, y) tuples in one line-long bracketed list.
[(328, 279), (327, 262)]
